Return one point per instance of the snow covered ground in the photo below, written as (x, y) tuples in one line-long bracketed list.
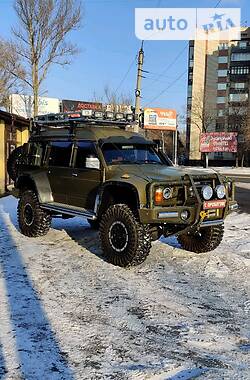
[(67, 314)]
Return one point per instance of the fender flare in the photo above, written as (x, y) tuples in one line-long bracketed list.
[(39, 182), (113, 184)]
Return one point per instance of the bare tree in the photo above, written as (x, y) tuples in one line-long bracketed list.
[(116, 101), (238, 122), (203, 117), (11, 72), (41, 38)]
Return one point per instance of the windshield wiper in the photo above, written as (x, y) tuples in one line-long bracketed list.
[(149, 162)]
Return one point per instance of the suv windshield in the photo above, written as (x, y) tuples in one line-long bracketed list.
[(115, 154)]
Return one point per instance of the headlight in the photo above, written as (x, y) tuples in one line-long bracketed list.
[(167, 192), (207, 192), (220, 191)]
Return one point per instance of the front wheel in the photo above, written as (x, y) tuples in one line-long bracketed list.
[(203, 240), (33, 221), (125, 241)]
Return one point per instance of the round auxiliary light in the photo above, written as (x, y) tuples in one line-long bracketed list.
[(185, 215), (207, 192), (220, 191), (167, 193)]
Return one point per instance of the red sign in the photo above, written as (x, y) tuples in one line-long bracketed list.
[(208, 205), (218, 142), (77, 105), (160, 119)]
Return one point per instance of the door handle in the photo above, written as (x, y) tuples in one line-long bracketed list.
[(75, 175)]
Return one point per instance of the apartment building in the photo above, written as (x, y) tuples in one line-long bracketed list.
[(218, 91)]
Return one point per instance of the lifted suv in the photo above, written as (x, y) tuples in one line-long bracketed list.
[(81, 166)]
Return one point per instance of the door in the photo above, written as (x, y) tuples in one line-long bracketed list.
[(86, 176), (59, 170)]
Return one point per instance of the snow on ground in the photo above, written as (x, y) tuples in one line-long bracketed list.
[(67, 314)]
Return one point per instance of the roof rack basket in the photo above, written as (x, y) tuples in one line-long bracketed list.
[(72, 119)]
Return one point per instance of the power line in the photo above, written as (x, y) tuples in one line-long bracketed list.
[(126, 74), (167, 88)]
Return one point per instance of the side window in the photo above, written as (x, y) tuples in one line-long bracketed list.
[(86, 156), (35, 152), (60, 154)]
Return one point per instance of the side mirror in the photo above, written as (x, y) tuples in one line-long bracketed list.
[(93, 163)]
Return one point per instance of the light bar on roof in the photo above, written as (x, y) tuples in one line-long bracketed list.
[(130, 117), (110, 115), (98, 115), (87, 113), (74, 115), (119, 116)]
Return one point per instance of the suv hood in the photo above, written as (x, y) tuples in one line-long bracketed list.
[(152, 172)]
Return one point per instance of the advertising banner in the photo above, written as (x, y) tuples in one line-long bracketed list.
[(160, 119), (218, 142), (22, 105), (77, 105)]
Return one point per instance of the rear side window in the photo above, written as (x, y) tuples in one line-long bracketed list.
[(60, 154)]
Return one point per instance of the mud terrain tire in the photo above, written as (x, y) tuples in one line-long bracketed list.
[(125, 242), (14, 161), (33, 221), (204, 240)]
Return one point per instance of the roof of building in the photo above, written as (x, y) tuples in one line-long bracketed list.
[(18, 121)]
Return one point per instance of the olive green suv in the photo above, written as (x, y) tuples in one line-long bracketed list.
[(92, 166)]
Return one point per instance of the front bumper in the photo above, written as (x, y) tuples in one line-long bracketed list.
[(172, 215)]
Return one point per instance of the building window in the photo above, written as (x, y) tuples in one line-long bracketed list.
[(222, 59), (223, 46), (221, 99), (238, 97), (221, 113), (189, 91), (240, 57), (191, 53), (238, 85), (243, 44), (222, 86), (219, 127), (239, 70), (222, 73), (191, 63), (237, 111)]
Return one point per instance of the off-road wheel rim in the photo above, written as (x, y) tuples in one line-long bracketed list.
[(118, 236), (28, 214)]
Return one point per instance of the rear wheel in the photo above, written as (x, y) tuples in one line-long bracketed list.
[(203, 240), (125, 241), (33, 221)]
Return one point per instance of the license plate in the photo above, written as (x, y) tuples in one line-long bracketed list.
[(208, 205)]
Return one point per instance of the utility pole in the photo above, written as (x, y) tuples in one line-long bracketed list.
[(138, 87), (176, 145)]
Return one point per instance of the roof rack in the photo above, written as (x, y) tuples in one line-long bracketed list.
[(72, 119)]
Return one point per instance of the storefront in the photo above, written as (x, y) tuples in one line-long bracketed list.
[(14, 131)]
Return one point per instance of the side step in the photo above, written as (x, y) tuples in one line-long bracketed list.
[(69, 210)]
